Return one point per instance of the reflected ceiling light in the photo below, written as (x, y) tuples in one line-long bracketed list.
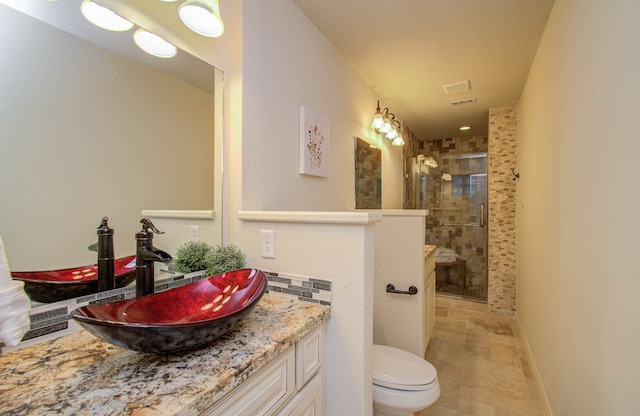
[(464, 128), (431, 162), (103, 17), (154, 44), (202, 16)]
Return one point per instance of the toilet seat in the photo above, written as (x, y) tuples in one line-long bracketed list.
[(401, 370)]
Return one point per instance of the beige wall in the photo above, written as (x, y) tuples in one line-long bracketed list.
[(577, 226), (287, 63)]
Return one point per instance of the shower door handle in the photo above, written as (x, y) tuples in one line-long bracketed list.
[(482, 220)]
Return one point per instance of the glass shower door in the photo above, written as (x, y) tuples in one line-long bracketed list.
[(457, 202)]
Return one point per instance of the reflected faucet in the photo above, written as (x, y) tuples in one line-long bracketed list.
[(146, 255), (104, 247)]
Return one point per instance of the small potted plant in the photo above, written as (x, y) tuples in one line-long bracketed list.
[(192, 257), (224, 258)]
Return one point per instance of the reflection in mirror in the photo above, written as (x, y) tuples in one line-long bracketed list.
[(416, 181), (87, 133), (368, 173)]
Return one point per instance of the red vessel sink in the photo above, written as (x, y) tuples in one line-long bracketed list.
[(55, 285), (178, 319)]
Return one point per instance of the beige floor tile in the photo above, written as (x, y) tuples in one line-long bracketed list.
[(482, 367), (475, 408), (437, 410)]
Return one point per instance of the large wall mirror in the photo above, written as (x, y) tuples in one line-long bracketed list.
[(368, 175), (86, 132)]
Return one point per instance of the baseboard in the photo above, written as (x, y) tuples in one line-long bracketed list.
[(534, 368)]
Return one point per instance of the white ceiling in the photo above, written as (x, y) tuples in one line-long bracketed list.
[(406, 50)]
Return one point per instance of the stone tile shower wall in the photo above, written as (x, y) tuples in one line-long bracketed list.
[(502, 211), (368, 176), (445, 207)]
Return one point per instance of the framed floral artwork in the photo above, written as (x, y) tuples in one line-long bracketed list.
[(313, 143)]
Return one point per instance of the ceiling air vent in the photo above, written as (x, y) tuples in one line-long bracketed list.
[(457, 87), (464, 101)]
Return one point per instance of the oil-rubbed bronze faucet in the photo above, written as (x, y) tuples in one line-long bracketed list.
[(104, 247), (146, 255)]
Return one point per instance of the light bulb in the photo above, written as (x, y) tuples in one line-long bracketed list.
[(202, 16), (154, 44), (103, 17)]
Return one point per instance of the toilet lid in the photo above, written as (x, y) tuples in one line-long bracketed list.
[(401, 370)]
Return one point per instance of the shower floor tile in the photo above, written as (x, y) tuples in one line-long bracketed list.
[(482, 367)]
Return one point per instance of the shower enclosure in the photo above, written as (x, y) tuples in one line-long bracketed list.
[(453, 187)]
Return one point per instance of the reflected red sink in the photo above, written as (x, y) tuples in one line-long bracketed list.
[(178, 319), (55, 285)]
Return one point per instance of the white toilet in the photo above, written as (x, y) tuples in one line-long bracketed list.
[(403, 383)]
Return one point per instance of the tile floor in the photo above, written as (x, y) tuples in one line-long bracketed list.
[(482, 367)]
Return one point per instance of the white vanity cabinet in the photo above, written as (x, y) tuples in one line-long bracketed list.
[(292, 385)]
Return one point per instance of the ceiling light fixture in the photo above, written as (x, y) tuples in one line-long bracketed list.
[(430, 161), (385, 123), (202, 17), (464, 128), (103, 17), (154, 44)]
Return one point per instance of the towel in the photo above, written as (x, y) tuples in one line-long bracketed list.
[(445, 255), (14, 314)]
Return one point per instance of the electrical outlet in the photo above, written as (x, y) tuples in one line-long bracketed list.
[(195, 233), (268, 244)]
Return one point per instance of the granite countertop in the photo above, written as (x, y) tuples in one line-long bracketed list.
[(79, 374)]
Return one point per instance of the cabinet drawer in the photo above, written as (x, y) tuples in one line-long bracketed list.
[(309, 356), (264, 393)]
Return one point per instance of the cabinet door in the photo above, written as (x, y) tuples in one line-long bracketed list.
[(310, 400), (309, 355), (264, 393)]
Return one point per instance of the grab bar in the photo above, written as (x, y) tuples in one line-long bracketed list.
[(392, 289), (459, 225)]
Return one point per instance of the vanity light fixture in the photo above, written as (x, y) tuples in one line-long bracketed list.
[(382, 120), (393, 133), (202, 17), (154, 44), (103, 17), (385, 123), (398, 141)]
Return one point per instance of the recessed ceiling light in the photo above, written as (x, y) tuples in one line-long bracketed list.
[(154, 44), (464, 128), (103, 17)]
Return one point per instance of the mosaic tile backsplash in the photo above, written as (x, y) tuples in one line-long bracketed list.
[(301, 288), (49, 321)]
